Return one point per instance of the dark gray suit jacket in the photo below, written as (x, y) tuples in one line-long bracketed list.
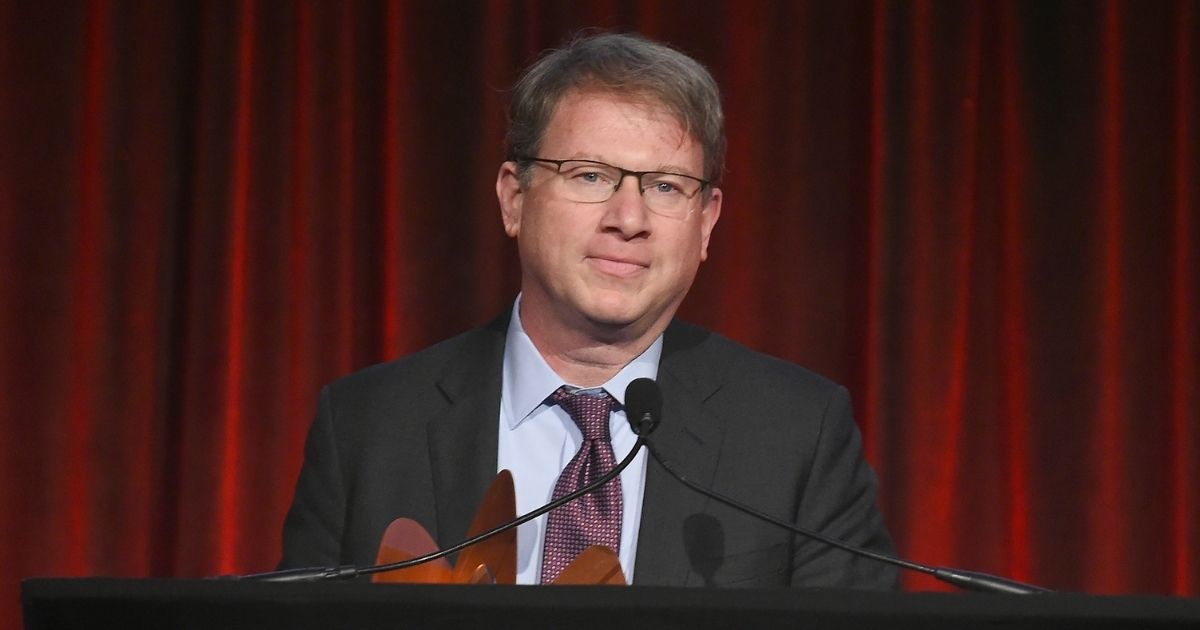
[(417, 438)]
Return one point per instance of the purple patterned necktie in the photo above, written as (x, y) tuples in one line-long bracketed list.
[(595, 518)]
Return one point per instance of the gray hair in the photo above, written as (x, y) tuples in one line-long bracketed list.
[(628, 65)]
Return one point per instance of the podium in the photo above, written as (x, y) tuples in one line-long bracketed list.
[(226, 604)]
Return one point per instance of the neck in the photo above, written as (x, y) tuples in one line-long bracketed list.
[(586, 356)]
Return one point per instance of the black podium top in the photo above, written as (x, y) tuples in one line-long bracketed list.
[(202, 604)]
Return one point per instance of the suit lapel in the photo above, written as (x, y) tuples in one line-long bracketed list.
[(463, 441), (689, 438)]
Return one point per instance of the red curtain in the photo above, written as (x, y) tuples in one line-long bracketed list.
[(980, 216)]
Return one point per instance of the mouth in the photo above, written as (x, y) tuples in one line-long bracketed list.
[(616, 266)]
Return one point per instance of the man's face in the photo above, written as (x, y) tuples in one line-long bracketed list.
[(609, 268)]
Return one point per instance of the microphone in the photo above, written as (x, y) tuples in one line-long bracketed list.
[(643, 405), (968, 580), (640, 399)]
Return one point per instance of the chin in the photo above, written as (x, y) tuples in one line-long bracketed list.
[(613, 313), (609, 319)]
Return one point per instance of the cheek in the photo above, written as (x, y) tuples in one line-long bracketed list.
[(544, 234), (686, 248)]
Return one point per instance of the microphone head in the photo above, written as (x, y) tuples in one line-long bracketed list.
[(643, 405)]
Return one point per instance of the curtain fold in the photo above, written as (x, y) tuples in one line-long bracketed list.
[(979, 216)]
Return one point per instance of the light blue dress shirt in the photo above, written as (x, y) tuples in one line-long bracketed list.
[(537, 440)]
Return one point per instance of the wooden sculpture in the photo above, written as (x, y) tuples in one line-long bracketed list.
[(493, 561)]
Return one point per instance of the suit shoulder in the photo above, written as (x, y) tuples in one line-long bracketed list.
[(734, 364), (422, 368)]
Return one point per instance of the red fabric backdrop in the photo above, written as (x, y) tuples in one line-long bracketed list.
[(980, 216)]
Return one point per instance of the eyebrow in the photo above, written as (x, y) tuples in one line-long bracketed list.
[(661, 168)]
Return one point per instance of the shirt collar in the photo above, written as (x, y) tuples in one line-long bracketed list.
[(527, 380)]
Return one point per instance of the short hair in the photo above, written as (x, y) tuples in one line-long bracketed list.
[(627, 65)]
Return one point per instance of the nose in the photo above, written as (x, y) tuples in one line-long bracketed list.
[(626, 210)]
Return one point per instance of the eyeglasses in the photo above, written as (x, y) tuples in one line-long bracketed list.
[(588, 181)]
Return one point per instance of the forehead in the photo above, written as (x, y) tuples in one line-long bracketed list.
[(623, 130)]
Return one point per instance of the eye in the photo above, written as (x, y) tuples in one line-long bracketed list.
[(587, 174), (666, 185), (665, 188)]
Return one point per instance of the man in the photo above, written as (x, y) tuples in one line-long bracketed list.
[(616, 146)]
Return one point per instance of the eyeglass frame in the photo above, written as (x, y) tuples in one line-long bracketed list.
[(704, 183)]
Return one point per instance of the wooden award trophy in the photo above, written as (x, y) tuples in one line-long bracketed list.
[(492, 561)]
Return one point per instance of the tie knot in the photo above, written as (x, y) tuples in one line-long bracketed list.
[(589, 412)]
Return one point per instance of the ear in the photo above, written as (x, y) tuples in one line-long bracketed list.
[(708, 220), (511, 196)]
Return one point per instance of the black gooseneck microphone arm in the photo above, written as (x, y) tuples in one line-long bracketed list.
[(640, 412), (969, 580), (347, 572)]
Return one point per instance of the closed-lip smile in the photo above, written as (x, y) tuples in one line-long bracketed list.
[(616, 265)]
